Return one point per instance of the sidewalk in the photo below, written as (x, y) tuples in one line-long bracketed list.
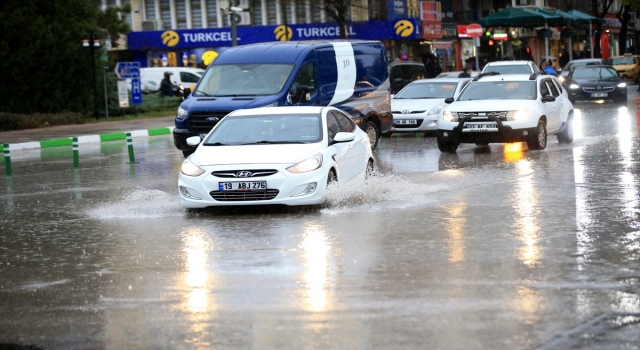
[(86, 133)]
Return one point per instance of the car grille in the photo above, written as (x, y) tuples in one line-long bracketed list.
[(598, 89), (483, 116), (409, 126), (244, 173), (198, 120), (411, 112), (242, 196)]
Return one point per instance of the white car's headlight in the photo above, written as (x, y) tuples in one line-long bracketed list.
[(437, 109), (622, 85), (307, 165), (182, 113), (561, 78), (190, 169), (574, 86), (517, 115), (450, 116)]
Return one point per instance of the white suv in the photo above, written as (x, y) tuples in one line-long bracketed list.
[(511, 67), (507, 108)]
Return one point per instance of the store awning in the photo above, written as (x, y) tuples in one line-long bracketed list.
[(551, 18), (572, 19), (521, 17), (587, 17)]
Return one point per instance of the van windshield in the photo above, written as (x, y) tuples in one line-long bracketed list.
[(244, 79)]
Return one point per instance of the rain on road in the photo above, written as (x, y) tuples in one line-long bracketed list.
[(490, 248)]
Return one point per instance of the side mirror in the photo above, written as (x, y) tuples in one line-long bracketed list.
[(187, 92), (392, 95), (548, 98), (301, 95), (193, 141), (449, 100), (344, 137)]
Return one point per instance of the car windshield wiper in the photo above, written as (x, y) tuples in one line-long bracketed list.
[(215, 144), (204, 93), (265, 142), (235, 95)]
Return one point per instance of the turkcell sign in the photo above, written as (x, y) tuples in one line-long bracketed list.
[(216, 37)]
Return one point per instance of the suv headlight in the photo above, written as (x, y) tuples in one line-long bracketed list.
[(622, 85), (436, 110), (190, 169), (574, 86), (182, 113), (450, 116), (517, 115), (307, 165)]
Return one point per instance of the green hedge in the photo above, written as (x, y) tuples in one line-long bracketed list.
[(11, 121)]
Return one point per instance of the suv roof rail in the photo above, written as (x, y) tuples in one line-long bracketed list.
[(485, 75)]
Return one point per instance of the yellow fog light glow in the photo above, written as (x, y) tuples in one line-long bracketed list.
[(190, 169), (307, 165), (574, 86), (515, 115)]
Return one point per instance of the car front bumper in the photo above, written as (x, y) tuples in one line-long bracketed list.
[(517, 132), (288, 186), (579, 95), (422, 123)]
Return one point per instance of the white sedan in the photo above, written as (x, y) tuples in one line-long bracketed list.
[(274, 155), (416, 107)]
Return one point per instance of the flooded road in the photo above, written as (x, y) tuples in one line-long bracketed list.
[(490, 248)]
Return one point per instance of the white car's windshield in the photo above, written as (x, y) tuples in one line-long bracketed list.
[(499, 90), (508, 69), (266, 129), (244, 79), (427, 90)]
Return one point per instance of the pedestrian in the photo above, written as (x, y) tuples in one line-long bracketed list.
[(167, 88), (466, 73), (547, 68)]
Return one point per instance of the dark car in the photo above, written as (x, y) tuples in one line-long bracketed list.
[(578, 63), (593, 83), (402, 73)]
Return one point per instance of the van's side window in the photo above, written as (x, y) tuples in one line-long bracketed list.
[(306, 77), (346, 124), (333, 127), (188, 77)]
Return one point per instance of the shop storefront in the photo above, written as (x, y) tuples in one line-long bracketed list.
[(198, 47)]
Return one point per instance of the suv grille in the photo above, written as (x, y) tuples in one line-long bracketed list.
[(598, 89), (198, 120), (244, 173), (239, 196), (482, 116)]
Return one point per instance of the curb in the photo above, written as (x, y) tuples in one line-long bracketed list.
[(68, 141)]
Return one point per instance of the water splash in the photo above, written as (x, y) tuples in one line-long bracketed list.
[(139, 204)]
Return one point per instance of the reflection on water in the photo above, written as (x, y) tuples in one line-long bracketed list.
[(526, 203), (455, 226), (198, 305), (513, 152), (578, 133), (583, 216), (315, 251), (627, 178), (527, 302)]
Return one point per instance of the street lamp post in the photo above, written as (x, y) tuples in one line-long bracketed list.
[(92, 43)]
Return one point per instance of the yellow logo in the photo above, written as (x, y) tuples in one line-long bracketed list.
[(403, 28), (170, 38), (208, 57), (283, 33)]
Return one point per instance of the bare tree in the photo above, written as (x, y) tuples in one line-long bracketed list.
[(605, 5)]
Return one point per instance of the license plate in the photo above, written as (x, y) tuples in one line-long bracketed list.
[(242, 186), (599, 94), (480, 127), (406, 122)]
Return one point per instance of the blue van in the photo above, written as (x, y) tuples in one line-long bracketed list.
[(348, 74)]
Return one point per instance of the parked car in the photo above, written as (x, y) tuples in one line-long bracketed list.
[(511, 67), (578, 63), (628, 66), (416, 107), (351, 75), (402, 73), (589, 83), (454, 74), (274, 155), (507, 108)]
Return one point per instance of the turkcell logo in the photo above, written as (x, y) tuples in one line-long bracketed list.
[(403, 28), (170, 38), (283, 33)]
